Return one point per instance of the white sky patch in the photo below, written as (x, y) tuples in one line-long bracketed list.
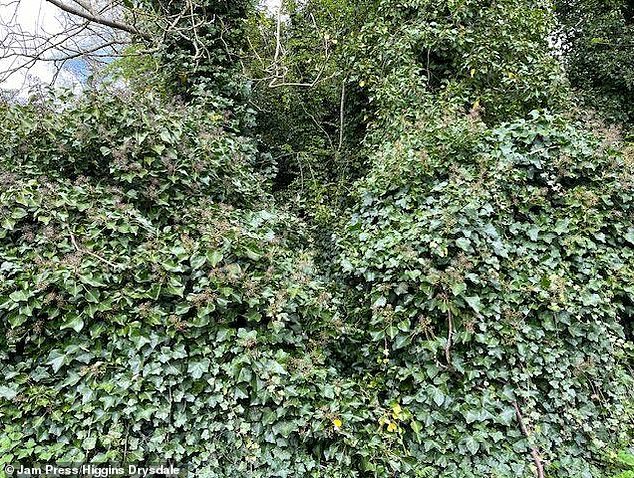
[(33, 17), (273, 4)]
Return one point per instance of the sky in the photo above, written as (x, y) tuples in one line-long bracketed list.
[(39, 16), (34, 16)]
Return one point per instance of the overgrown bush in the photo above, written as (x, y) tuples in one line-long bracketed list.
[(143, 325), (159, 155), (493, 56), (493, 268), (465, 312)]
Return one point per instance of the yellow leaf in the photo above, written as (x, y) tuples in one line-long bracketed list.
[(473, 72), (362, 83), (392, 427)]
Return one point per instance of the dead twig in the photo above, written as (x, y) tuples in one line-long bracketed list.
[(96, 18), (341, 113), (534, 453), (86, 251), (449, 337)]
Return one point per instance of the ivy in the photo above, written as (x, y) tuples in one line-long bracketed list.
[(146, 325), (491, 270)]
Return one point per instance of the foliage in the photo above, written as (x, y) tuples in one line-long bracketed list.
[(488, 254), (625, 461), (597, 38), (203, 46), (493, 266), (308, 112), (148, 327), (468, 304), (157, 156), (493, 56)]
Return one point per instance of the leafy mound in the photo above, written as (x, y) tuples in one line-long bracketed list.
[(157, 305), (493, 268), (160, 156), (144, 325)]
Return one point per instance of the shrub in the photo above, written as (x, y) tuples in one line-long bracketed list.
[(144, 326), (158, 154), (493, 267)]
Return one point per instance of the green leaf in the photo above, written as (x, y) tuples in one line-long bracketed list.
[(438, 397), (458, 288), (507, 416), (472, 416), (472, 445), (417, 427), (474, 303), (197, 261), (626, 459), (73, 322), (197, 369), (464, 244), (19, 296), (89, 443), (214, 257), (8, 393), (93, 295), (56, 360)]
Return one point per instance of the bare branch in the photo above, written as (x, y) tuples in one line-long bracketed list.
[(92, 17), (534, 453)]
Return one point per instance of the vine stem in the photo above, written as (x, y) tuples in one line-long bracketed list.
[(86, 251), (449, 337), (534, 453)]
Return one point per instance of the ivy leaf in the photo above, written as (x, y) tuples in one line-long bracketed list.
[(8, 393), (507, 416), (197, 369), (626, 459), (19, 296), (197, 261), (464, 244), (56, 360), (458, 288), (214, 257), (417, 427), (474, 303), (438, 397), (471, 416), (472, 445), (89, 443), (73, 322)]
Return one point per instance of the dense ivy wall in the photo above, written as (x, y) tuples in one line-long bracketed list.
[(155, 304), (463, 314), (489, 250), (494, 270)]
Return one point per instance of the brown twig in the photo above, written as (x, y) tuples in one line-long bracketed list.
[(90, 253), (534, 453), (341, 113), (96, 18), (449, 337)]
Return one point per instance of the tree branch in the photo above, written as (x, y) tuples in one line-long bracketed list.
[(90, 16)]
